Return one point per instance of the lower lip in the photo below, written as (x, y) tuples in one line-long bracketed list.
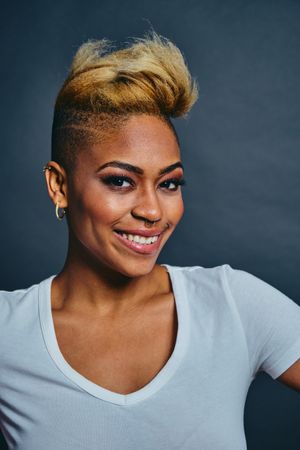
[(145, 249)]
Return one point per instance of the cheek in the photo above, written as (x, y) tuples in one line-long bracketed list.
[(180, 209), (174, 210), (114, 206), (92, 206)]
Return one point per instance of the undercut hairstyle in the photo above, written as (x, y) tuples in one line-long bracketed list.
[(104, 87)]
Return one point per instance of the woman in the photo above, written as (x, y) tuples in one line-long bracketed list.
[(116, 351)]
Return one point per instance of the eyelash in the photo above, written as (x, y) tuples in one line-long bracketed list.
[(109, 181)]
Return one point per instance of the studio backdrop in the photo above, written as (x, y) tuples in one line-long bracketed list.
[(240, 147)]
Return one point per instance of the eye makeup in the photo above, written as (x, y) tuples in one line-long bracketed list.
[(115, 181)]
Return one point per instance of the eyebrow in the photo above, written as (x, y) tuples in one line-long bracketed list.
[(138, 170)]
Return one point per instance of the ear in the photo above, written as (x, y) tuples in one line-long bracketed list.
[(56, 179)]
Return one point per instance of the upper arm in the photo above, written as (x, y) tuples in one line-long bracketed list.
[(291, 377), (271, 324)]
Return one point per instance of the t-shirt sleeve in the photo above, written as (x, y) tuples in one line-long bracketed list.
[(270, 319)]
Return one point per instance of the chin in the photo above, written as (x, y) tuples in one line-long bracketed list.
[(136, 269)]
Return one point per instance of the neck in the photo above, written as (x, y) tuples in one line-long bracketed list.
[(85, 284)]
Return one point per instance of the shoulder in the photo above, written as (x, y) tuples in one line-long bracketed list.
[(249, 288), (16, 304), (195, 276), (197, 273), (9, 299), (239, 287), (12, 297), (199, 282)]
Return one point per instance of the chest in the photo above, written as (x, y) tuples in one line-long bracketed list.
[(120, 355)]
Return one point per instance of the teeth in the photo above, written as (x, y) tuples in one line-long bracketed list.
[(140, 239)]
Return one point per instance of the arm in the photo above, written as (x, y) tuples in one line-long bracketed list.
[(291, 377), (271, 322)]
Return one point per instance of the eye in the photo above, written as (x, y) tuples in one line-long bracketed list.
[(176, 181), (117, 181), (122, 182)]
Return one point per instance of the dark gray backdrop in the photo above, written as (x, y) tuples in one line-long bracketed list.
[(240, 147)]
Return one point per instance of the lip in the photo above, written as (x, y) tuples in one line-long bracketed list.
[(146, 233), (145, 249)]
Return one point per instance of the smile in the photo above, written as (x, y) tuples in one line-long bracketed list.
[(139, 244)]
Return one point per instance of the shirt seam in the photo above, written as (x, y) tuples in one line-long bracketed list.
[(230, 296)]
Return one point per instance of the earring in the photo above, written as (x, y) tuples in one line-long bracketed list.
[(60, 217)]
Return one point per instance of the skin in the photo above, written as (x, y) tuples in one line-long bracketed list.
[(96, 261), (104, 283), (105, 292), (291, 377)]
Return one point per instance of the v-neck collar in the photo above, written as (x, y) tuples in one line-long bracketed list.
[(161, 378)]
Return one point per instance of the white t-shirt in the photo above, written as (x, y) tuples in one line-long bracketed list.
[(231, 325)]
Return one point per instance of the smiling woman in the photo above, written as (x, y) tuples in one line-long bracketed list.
[(116, 351), (127, 183)]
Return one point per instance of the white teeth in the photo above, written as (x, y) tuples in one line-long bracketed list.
[(140, 239)]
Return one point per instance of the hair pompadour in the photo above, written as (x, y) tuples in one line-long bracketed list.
[(104, 86)]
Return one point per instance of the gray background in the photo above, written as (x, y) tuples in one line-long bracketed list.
[(240, 147)]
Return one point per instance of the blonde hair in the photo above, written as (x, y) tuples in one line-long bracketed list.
[(104, 87)]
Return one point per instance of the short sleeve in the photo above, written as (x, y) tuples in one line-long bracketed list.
[(270, 319)]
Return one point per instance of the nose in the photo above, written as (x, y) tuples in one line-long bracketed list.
[(149, 207)]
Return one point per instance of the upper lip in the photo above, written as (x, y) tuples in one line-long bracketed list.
[(146, 233)]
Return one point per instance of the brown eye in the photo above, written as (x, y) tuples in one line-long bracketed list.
[(176, 181), (117, 181)]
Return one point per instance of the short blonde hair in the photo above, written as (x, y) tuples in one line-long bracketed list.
[(104, 87)]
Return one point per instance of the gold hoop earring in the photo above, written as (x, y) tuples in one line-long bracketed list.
[(60, 217)]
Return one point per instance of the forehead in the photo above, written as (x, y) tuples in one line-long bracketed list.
[(142, 139)]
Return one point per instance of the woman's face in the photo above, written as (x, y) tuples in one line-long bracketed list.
[(103, 200)]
